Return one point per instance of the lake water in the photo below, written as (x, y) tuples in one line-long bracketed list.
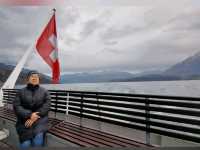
[(178, 88)]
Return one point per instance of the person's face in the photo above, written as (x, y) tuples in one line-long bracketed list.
[(34, 79)]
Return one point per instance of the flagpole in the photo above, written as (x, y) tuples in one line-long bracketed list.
[(53, 82), (11, 80)]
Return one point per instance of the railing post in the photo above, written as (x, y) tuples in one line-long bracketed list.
[(56, 105), (147, 112), (67, 106), (98, 104), (99, 113), (81, 109), (6, 104)]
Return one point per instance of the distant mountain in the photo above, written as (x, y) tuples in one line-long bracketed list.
[(5, 71), (104, 76), (189, 67)]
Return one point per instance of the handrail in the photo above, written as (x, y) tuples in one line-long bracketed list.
[(173, 116)]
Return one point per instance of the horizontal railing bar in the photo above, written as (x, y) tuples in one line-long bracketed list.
[(9, 97), (175, 111), (177, 104), (7, 102), (10, 94), (157, 109), (122, 94), (127, 99), (168, 103), (58, 102), (90, 106), (175, 127), (59, 111), (114, 116), (175, 119), (110, 121), (175, 135), (134, 95)]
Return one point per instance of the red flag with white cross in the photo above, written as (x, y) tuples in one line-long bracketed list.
[(47, 48)]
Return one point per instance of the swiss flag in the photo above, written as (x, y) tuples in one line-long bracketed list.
[(47, 48)]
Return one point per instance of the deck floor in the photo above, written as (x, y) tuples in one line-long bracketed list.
[(4, 145)]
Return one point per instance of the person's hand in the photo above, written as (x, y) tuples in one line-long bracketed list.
[(29, 123), (35, 116)]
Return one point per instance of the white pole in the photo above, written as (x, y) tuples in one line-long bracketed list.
[(10, 82), (67, 107)]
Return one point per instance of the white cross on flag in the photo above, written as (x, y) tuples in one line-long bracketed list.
[(47, 48)]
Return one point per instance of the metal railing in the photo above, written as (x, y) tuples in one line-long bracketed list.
[(172, 116)]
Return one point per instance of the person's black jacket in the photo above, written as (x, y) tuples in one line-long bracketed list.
[(31, 99)]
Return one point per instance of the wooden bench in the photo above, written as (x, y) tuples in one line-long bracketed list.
[(82, 136), (87, 137)]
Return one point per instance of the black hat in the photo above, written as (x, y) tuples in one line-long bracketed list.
[(32, 72)]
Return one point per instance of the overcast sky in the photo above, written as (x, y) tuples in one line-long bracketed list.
[(120, 35)]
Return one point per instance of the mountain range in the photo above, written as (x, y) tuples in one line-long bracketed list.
[(188, 69), (103, 76)]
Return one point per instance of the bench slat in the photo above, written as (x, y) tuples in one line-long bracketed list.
[(121, 139), (72, 138), (94, 139), (105, 139)]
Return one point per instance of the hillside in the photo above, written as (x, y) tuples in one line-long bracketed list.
[(5, 71)]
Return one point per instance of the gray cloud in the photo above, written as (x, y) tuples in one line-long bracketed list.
[(90, 27), (186, 21), (110, 42), (138, 37), (69, 16), (110, 50), (116, 33), (16, 31)]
